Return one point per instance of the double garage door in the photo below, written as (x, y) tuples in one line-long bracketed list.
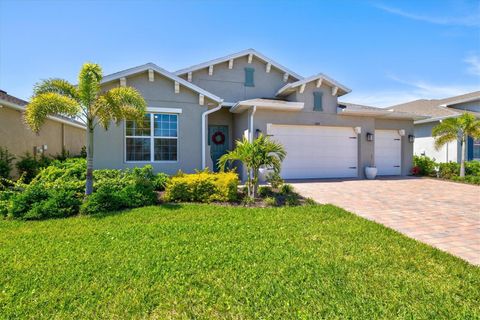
[(330, 152)]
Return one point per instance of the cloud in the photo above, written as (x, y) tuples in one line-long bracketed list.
[(414, 90), (472, 20), (474, 64)]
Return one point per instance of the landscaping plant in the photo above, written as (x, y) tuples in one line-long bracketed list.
[(453, 129), (262, 152), (87, 103), (6, 159)]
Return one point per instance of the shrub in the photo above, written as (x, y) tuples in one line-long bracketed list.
[(467, 179), (286, 189), (160, 181), (274, 179), (59, 204), (21, 203), (104, 199), (265, 191), (292, 199), (270, 201), (449, 170), (310, 202), (202, 186), (6, 159), (472, 168), (29, 166), (425, 165)]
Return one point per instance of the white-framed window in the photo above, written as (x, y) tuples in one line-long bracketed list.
[(476, 149), (155, 139)]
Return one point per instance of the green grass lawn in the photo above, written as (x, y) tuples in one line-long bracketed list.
[(204, 262)]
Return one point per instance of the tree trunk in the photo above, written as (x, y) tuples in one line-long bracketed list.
[(462, 160), (89, 182), (255, 182)]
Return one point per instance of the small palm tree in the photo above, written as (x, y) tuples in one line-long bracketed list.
[(87, 103), (262, 152), (454, 129)]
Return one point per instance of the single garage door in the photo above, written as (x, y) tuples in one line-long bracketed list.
[(388, 152), (317, 151)]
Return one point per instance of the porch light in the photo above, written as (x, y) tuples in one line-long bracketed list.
[(369, 136), (411, 138)]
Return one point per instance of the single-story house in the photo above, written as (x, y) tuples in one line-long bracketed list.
[(438, 110), (59, 133), (196, 114)]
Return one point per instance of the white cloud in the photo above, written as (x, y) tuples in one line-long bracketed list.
[(474, 64), (472, 20), (415, 90)]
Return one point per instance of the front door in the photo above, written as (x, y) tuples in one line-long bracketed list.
[(218, 141)]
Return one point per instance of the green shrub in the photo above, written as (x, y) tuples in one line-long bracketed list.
[(104, 199), (448, 170), (265, 191), (468, 179), (472, 168), (202, 186), (6, 159), (270, 201), (310, 202), (274, 179), (425, 165), (160, 181), (21, 203), (286, 189), (29, 166), (59, 204), (292, 199)]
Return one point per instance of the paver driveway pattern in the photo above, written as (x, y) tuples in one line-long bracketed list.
[(443, 214)]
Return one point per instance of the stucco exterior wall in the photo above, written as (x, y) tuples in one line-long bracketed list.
[(230, 83), (109, 145), (425, 144), (19, 139), (470, 106)]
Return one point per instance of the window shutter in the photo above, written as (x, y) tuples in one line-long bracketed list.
[(317, 101), (249, 77), (469, 149)]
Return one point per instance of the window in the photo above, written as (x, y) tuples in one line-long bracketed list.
[(476, 149), (154, 139), (249, 77), (317, 101)]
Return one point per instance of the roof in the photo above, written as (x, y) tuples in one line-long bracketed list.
[(19, 104), (288, 88), (346, 108), (154, 67), (238, 55), (436, 107), (268, 104)]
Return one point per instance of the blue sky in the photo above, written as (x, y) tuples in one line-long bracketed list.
[(387, 52)]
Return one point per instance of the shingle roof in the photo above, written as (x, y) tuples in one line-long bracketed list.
[(5, 96), (434, 107)]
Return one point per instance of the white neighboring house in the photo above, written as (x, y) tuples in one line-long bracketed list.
[(437, 110)]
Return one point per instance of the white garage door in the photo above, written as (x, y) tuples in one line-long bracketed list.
[(317, 151), (388, 152)]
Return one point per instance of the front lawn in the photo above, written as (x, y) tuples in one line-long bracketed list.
[(205, 261)]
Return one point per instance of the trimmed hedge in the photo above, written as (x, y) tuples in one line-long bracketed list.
[(203, 186)]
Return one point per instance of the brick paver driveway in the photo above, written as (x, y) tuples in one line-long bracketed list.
[(443, 214)]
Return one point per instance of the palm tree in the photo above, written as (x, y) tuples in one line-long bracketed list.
[(454, 129), (261, 152), (85, 102)]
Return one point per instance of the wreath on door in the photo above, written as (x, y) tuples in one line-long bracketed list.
[(218, 137)]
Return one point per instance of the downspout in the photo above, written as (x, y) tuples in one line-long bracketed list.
[(204, 135), (250, 136)]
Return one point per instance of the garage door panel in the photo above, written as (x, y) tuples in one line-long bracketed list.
[(317, 151), (388, 152)]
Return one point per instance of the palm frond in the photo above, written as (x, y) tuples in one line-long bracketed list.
[(118, 104), (49, 104), (89, 83), (55, 85)]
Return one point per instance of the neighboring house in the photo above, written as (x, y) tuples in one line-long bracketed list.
[(437, 110), (196, 114), (58, 133)]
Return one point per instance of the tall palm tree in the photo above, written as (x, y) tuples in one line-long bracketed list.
[(262, 152), (87, 103), (454, 129)]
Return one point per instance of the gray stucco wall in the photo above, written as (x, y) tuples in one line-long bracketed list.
[(109, 145), (229, 83)]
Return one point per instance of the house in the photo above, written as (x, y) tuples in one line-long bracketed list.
[(196, 114), (437, 110), (59, 133)]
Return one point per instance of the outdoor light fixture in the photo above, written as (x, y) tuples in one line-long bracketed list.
[(411, 138), (369, 136)]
